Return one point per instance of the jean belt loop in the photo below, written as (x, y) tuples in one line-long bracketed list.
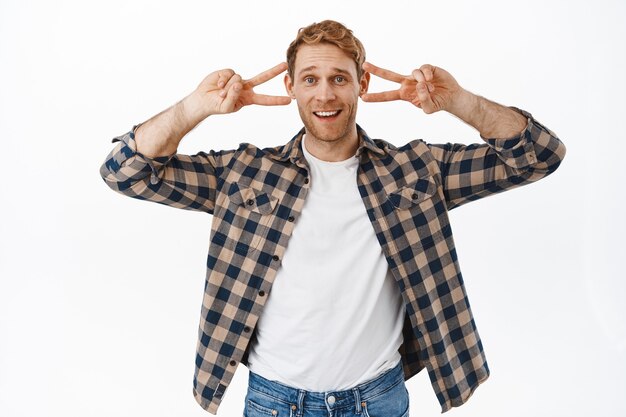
[(357, 400), (301, 394)]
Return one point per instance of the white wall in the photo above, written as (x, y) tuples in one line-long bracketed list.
[(100, 294)]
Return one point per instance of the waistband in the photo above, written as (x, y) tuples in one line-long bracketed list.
[(329, 400)]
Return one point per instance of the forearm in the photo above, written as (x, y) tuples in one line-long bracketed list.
[(178, 180), (161, 134), (491, 119), (474, 171)]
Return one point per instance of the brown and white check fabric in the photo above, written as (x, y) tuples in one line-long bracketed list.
[(256, 197)]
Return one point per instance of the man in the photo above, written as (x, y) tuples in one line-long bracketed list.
[(349, 235)]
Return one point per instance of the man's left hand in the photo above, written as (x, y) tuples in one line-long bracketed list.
[(429, 88)]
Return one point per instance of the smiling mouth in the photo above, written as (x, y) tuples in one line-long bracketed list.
[(327, 114)]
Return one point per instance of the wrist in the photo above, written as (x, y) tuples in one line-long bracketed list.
[(191, 110), (464, 105), (492, 120)]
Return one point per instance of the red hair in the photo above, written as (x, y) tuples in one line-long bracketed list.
[(329, 32)]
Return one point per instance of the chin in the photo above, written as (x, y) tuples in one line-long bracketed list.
[(327, 135)]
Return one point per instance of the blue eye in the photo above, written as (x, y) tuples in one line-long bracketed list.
[(309, 80), (339, 79)]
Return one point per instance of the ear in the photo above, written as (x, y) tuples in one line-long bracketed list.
[(289, 86), (364, 83)]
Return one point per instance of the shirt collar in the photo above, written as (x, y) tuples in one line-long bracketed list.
[(293, 149)]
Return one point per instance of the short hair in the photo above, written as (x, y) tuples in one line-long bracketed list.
[(329, 32)]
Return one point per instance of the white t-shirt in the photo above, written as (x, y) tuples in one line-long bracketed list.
[(334, 315)]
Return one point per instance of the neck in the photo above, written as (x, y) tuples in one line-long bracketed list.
[(335, 150)]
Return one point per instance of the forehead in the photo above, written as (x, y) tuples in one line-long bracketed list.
[(323, 56)]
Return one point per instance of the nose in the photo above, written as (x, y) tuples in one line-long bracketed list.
[(324, 92)]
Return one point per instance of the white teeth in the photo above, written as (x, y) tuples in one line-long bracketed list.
[(326, 113)]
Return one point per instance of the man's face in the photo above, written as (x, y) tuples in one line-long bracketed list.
[(326, 88)]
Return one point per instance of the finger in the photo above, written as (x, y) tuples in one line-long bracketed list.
[(223, 76), (419, 75), (231, 96), (267, 75), (428, 71), (429, 74), (426, 102), (383, 73), (236, 78), (422, 77), (265, 100), (380, 97)]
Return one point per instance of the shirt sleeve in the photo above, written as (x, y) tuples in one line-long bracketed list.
[(471, 172), (182, 181)]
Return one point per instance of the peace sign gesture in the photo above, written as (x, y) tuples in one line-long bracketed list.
[(429, 88), (224, 92)]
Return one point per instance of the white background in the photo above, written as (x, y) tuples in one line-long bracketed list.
[(100, 294)]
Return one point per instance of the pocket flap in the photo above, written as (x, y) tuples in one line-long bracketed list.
[(254, 200), (411, 194)]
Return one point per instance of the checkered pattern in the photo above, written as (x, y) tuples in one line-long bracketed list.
[(256, 196)]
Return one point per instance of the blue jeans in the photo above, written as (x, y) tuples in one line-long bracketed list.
[(383, 396)]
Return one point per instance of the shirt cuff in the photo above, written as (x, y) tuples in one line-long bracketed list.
[(138, 162), (518, 151)]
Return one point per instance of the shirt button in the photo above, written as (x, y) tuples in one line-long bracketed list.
[(246, 329), (293, 407), (414, 196), (233, 363), (275, 257), (331, 400), (291, 218), (250, 202), (262, 293), (306, 180)]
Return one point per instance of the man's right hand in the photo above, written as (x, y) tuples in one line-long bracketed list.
[(219, 93), (224, 92)]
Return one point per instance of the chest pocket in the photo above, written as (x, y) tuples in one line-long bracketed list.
[(414, 193), (256, 201), (420, 213), (247, 219)]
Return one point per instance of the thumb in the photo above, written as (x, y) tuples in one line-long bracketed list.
[(230, 101), (423, 95)]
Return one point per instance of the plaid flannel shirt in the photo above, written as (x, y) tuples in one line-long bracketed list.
[(256, 195)]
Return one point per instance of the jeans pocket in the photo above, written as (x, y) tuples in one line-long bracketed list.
[(367, 413), (256, 410), (393, 403), (259, 405)]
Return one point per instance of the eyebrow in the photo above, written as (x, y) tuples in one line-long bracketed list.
[(314, 67)]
